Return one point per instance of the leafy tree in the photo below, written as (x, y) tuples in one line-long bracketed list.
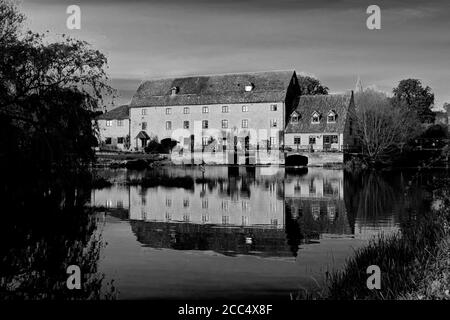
[(48, 95), (382, 129), (311, 86), (411, 95)]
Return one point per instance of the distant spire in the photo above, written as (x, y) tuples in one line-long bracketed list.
[(359, 88)]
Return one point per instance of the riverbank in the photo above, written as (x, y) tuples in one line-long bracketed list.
[(131, 160), (414, 264)]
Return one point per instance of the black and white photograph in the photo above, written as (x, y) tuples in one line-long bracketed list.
[(220, 156)]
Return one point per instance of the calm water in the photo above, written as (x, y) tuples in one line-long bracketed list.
[(242, 232)]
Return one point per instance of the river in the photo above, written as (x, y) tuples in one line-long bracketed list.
[(243, 232)]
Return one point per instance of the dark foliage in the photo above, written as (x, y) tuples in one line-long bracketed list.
[(311, 86), (411, 95)]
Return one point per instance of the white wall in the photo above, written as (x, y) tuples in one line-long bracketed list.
[(114, 131), (258, 116)]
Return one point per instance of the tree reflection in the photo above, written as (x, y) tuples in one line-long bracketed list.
[(46, 228)]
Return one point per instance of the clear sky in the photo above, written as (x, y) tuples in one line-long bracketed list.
[(325, 38)]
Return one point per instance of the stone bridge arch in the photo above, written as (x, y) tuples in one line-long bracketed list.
[(296, 160)]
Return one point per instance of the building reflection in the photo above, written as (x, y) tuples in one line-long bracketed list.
[(262, 211)]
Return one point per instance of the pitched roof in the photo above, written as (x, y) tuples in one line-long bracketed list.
[(323, 104), (119, 113), (214, 89), (142, 135)]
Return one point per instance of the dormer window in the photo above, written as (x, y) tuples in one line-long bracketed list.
[(174, 91), (315, 117), (331, 118), (249, 87), (294, 117)]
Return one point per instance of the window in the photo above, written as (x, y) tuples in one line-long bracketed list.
[(205, 204), (249, 87), (315, 208), (224, 124), (312, 187), (330, 139), (185, 124), (119, 123), (331, 211), (294, 118), (205, 124), (174, 91), (108, 141), (120, 140), (168, 202), (186, 203), (168, 110), (205, 218), (224, 205), (108, 123), (144, 125), (315, 118), (144, 112), (297, 140), (225, 219), (205, 110), (273, 107), (205, 141), (168, 125), (312, 140), (245, 123), (225, 109), (186, 110), (244, 108), (273, 123), (331, 117), (273, 141)]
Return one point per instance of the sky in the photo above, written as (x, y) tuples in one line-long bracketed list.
[(327, 39)]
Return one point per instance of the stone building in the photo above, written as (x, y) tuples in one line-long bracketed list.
[(219, 112), (322, 123), (114, 129)]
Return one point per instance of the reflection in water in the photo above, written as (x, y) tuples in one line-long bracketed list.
[(262, 211), (42, 234)]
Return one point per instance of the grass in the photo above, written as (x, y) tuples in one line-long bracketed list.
[(435, 283), (410, 263)]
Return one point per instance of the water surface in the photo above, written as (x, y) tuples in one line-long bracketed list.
[(242, 232)]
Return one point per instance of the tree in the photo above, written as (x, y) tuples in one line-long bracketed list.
[(311, 86), (411, 95), (383, 129), (48, 95)]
